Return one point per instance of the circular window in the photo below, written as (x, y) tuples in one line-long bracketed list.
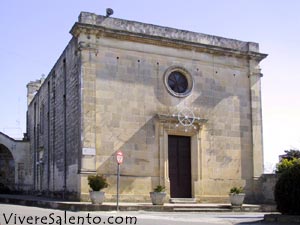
[(178, 82)]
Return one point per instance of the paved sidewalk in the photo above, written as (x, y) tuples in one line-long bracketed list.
[(124, 206)]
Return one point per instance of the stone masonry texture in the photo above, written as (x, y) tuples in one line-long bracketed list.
[(107, 92)]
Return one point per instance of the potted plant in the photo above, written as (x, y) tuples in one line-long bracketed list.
[(158, 195), (237, 196), (97, 183)]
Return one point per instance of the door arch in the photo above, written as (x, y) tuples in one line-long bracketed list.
[(7, 167)]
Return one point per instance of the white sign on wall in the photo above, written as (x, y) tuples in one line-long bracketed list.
[(88, 151)]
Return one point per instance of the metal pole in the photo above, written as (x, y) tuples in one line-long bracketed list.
[(118, 186)]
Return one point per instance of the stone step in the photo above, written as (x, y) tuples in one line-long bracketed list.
[(200, 209), (183, 200), (147, 206)]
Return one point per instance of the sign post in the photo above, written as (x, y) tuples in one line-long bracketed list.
[(119, 161)]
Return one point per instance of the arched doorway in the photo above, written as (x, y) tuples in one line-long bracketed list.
[(7, 168)]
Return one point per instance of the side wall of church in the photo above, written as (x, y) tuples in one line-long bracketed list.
[(54, 127)]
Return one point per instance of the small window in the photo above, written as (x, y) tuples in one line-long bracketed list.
[(178, 82), (42, 118)]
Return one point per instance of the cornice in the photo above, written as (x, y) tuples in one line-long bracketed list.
[(101, 31)]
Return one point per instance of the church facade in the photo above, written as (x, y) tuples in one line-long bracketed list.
[(183, 107)]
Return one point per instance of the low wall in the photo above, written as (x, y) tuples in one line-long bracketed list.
[(267, 184)]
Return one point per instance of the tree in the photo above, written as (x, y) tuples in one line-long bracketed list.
[(287, 191), (286, 164), (287, 188), (288, 160), (291, 154)]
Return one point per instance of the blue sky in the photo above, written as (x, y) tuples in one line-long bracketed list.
[(35, 32)]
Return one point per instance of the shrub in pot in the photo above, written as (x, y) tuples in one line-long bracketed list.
[(97, 183), (237, 196), (158, 195)]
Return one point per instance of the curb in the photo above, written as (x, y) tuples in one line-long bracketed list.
[(278, 218), (84, 206)]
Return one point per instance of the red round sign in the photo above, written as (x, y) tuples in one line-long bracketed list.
[(120, 157)]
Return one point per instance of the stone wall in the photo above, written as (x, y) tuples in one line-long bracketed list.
[(15, 172), (124, 67), (54, 127), (109, 91), (267, 187)]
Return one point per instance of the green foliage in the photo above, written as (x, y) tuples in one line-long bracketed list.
[(97, 182), (291, 154), (287, 191), (286, 164), (159, 188), (236, 190)]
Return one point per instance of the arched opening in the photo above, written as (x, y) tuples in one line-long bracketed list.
[(7, 169)]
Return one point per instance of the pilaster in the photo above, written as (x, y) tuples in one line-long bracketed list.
[(256, 116), (88, 107)]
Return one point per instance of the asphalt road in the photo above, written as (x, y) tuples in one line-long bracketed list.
[(24, 215)]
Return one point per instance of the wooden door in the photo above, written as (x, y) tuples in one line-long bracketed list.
[(179, 151)]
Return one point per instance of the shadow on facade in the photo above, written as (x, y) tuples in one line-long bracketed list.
[(141, 159), (210, 104), (222, 132)]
